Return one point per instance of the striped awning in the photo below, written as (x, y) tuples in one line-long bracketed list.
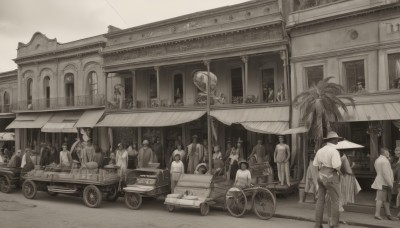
[(62, 122), (31, 120), (268, 120), (149, 119), (89, 118), (372, 112)]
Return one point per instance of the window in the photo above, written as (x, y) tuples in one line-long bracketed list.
[(69, 89), (354, 76), (153, 86), (394, 70), (178, 89), (128, 83), (6, 102), (29, 85), (268, 85), (314, 74), (46, 87), (92, 83), (237, 85)]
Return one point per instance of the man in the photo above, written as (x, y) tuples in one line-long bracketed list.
[(383, 184), (328, 162), (194, 154), (88, 153), (15, 160), (157, 151), (259, 152), (145, 155)]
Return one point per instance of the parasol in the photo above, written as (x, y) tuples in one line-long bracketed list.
[(200, 79), (345, 144)]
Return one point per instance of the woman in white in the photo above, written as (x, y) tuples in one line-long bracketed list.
[(179, 150), (121, 159), (65, 157), (177, 169), (243, 175)]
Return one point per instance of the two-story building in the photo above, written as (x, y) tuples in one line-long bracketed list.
[(8, 97), (151, 77), (356, 42), (61, 88)]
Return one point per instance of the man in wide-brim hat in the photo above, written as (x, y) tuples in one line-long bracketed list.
[(328, 162), (145, 155)]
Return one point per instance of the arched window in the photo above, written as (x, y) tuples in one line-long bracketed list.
[(29, 86), (6, 102), (92, 83), (46, 88), (178, 89), (69, 89)]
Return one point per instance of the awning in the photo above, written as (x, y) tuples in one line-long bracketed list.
[(62, 122), (296, 130), (31, 120), (7, 115), (266, 127), (7, 136), (89, 118), (372, 112), (150, 119), (270, 120), (345, 144)]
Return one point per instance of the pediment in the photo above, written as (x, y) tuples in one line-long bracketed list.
[(38, 43)]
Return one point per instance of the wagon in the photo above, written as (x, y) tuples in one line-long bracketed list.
[(91, 185), (9, 176), (145, 182), (205, 191)]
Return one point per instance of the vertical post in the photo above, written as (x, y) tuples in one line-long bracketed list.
[(105, 89), (134, 93), (285, 77), (209, 138), (245, 76), (157, 69)]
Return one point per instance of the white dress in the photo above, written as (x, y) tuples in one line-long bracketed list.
[(121, 158), (243, 178)]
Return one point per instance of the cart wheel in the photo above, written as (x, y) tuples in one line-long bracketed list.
[(5, 184), (30, 189), (170, 208), (133, 200), (112, 196), (264, 203), (204, 209), (235, 201), (52, 193), (92, 196)]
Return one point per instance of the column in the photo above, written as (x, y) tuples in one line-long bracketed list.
[(245, 76), (285, 77), (134, 88), (105, 89), (157, 69), (209, 139)]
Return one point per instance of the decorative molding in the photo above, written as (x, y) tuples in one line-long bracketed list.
[(45, 72), (27, 74), (70, 68)]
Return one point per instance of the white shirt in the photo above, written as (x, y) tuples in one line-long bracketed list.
[(243, 178), (177, 167), (217, 155), (384, 173), (328, 156)]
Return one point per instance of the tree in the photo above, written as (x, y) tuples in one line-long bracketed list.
[(319, 107)]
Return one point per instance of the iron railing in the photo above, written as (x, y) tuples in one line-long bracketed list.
[(306, 4)]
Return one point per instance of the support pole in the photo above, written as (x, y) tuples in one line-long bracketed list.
[(157, 69), (209, 138), (245, 59)]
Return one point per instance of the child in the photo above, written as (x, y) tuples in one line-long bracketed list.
[(201, 169), (177, 169), (243, 175)]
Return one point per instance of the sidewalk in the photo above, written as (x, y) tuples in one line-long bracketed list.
[(290, 208)]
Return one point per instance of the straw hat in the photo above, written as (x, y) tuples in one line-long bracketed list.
[(245, 162), (332, 135), (145, 142)]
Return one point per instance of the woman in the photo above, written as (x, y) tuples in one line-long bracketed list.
[(177, 169), (281, 157), (121, 159), (201, 169), (179, 150), (233, 163), (243, 175), (65, 157), (44, 157), (132, 156), (349, 186)]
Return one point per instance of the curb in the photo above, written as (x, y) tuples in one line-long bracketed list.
[(325, 222)]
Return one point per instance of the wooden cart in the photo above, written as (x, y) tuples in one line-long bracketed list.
[(9, 177)]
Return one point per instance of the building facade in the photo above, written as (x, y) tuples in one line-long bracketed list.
[(357, 43), (8, 98)]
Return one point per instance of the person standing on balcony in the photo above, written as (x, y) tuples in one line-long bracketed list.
[(145, 155), (194, 155)]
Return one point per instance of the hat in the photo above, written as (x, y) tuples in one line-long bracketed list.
[(243, 161), (145, 142), (332, 135), (194, 136), (200, 165)]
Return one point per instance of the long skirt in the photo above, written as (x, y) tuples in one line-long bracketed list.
[(193, 162), (174, 180), (349, 187)]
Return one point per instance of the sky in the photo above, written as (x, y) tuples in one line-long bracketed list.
[(69, 20)]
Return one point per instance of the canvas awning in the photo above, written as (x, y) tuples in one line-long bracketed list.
[(269, 120), (7, 136), (372, 112), (62, 122), (296, 130), (31, 120), (149, 119), (345, 144), (89, 118)]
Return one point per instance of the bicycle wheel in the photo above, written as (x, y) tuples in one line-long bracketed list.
[(235, 201), (264, 203)]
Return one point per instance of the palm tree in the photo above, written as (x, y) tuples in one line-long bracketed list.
[(319, 107)]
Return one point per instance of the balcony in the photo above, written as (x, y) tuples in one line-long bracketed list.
[(5, 108), (61, 103)]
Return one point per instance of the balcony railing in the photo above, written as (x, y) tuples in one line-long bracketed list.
[(61, 102), (306, 4), (5, 108)]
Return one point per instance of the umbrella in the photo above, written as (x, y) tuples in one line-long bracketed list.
[(345, 144)]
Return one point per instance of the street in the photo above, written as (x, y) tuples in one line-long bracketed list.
[(65, 211)]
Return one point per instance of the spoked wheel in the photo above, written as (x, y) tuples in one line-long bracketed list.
[(92, 196), (5, 184), (112, 196), (204, 209), (264, 203), (30, 189), (133, 200), (170, 208), (235, 201)]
